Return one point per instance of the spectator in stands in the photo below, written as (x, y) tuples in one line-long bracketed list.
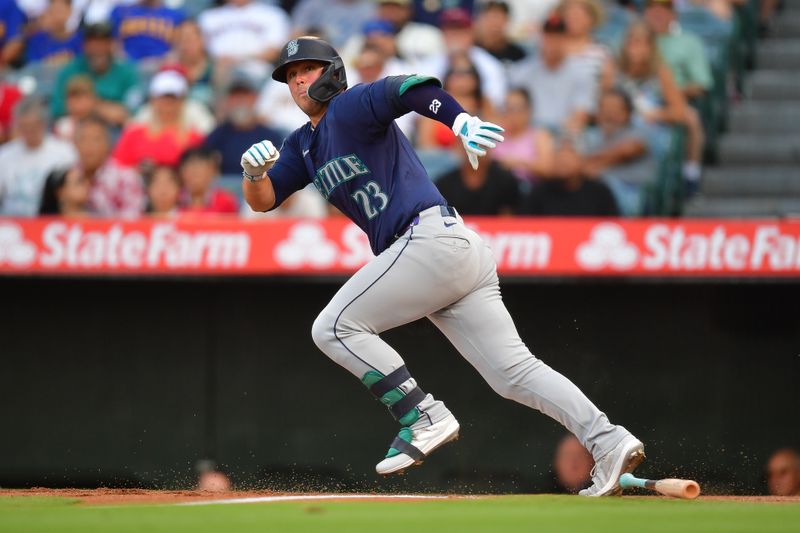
[(649, 82), (214, 481), (372, 64), (244, 31), (276, 109), (240, 126), (456, 24), (783, 473), (616, 151), (115, 190), (198, 171), (338, 19), (211, 478), (563, 90), (54, 44), (766, 12), (569, 193), (163, 191), (380, 34), (721, 10), (190, 57), (164, 136), (526, 19), (114, 81), (581, 18), (65, 193), (12, 21), (81, 102), (26, 161), (430, 13), (195, 115), (145, 29), (656, 97), (527, 150), (489, 190), (686, 57), (572, 465), (416, 41), (491, 32), (9, 96)]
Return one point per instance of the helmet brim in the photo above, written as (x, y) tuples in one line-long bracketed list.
[(279, 74)]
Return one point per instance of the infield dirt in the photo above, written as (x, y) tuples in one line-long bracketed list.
[(107, 496)]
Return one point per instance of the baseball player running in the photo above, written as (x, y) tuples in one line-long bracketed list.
[(427, 264)]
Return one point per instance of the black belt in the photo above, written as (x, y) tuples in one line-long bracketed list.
[(448, 211)]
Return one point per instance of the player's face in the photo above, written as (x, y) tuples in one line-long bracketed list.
[(299, 77)]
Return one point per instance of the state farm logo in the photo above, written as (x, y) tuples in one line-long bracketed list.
[(307, 244), (14, 249), (607, 246)]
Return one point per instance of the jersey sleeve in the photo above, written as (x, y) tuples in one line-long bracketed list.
[(289, 174), (374, 106)]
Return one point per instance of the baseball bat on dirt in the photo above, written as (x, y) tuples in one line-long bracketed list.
[(677, 488)]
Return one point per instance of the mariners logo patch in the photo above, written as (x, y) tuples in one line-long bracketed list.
[(292, 47)]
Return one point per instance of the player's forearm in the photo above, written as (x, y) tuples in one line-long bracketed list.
[(433, 102), (259, 195)]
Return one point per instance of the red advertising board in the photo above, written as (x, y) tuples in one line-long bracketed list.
[(522, 247)]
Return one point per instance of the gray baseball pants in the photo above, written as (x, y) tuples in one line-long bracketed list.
[(442, 270)]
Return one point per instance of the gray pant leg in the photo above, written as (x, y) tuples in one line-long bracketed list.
[(482, 330), (416, 276)]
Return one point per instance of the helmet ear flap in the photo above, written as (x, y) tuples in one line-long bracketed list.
[(331, 82)]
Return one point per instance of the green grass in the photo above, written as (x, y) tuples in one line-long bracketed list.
[(495, 515)]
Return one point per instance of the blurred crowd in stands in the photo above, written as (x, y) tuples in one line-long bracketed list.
[(125, 108)]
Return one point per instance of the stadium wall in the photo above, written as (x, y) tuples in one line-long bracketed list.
[(129, 382)]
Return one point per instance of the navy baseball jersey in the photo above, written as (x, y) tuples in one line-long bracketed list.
[(360, 161)]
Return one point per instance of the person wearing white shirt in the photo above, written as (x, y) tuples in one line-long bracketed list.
[(26, 161), (563, 90), (456, 26), (276, 109), (245, 31)]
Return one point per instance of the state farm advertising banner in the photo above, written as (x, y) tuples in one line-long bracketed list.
[(522, 247)]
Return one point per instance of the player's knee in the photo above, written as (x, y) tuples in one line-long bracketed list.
[(503, 388), (510, 382), (322, 331)]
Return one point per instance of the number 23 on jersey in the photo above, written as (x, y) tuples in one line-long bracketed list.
[(371, 199)]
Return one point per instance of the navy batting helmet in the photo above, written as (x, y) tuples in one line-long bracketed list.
[(333, 79)]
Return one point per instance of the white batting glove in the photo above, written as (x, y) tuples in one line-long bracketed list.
[(258, 159), (476, 135)]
